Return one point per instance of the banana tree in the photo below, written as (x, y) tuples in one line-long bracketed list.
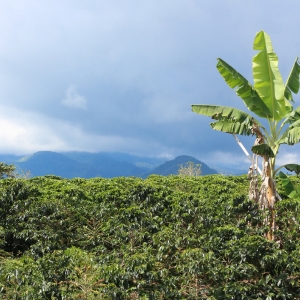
[(268, 98)]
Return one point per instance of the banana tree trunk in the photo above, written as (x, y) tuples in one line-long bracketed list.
[(267, 195)]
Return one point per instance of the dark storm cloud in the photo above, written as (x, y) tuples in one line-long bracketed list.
[(121, 75)]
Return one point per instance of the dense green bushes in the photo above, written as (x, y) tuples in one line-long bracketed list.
[(128, 238)]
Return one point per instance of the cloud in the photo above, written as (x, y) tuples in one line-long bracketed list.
[(73, 99), (27, 132), (288, 157), (221, 158), (137, 69)]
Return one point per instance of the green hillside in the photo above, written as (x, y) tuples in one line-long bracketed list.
[(129, 238)]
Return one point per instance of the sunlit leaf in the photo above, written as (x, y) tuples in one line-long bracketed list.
[(243, 89), (267, 79)]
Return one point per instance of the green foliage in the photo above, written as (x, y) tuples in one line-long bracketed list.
[(6, 170), (127, 238)]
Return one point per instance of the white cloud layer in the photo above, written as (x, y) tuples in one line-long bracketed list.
[(288, 157), (27, 132), (73, 99)]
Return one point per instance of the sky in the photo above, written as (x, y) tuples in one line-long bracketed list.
[(121, 75)]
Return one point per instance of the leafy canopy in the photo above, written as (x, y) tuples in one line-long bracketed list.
[(269, 98)]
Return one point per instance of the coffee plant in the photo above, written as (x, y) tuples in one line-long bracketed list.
[(168, 237)]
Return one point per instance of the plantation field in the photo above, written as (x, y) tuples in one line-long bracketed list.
[(159, 238)]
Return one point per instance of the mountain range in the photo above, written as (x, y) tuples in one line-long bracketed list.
[(102, 164)]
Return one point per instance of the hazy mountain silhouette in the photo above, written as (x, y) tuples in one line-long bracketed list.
[(106, 166), (102, 164), (52, 163)]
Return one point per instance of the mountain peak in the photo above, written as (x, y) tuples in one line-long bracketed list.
[(171, 167)]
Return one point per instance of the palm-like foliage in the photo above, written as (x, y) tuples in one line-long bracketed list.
[(268, 98)]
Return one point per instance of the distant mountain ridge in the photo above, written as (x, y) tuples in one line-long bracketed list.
[(48, 162), (105, 165), (101, 164)]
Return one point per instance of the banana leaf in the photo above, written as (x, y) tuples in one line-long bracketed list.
[(232, 127), (243, 89), (288, 186), (229, 119), (218, 112), (293, 116), (267, 79), (263, 150), (292, 84), (292, 135), (293, 168)]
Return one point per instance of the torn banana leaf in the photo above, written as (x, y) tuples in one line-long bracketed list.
[(263, 150)]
